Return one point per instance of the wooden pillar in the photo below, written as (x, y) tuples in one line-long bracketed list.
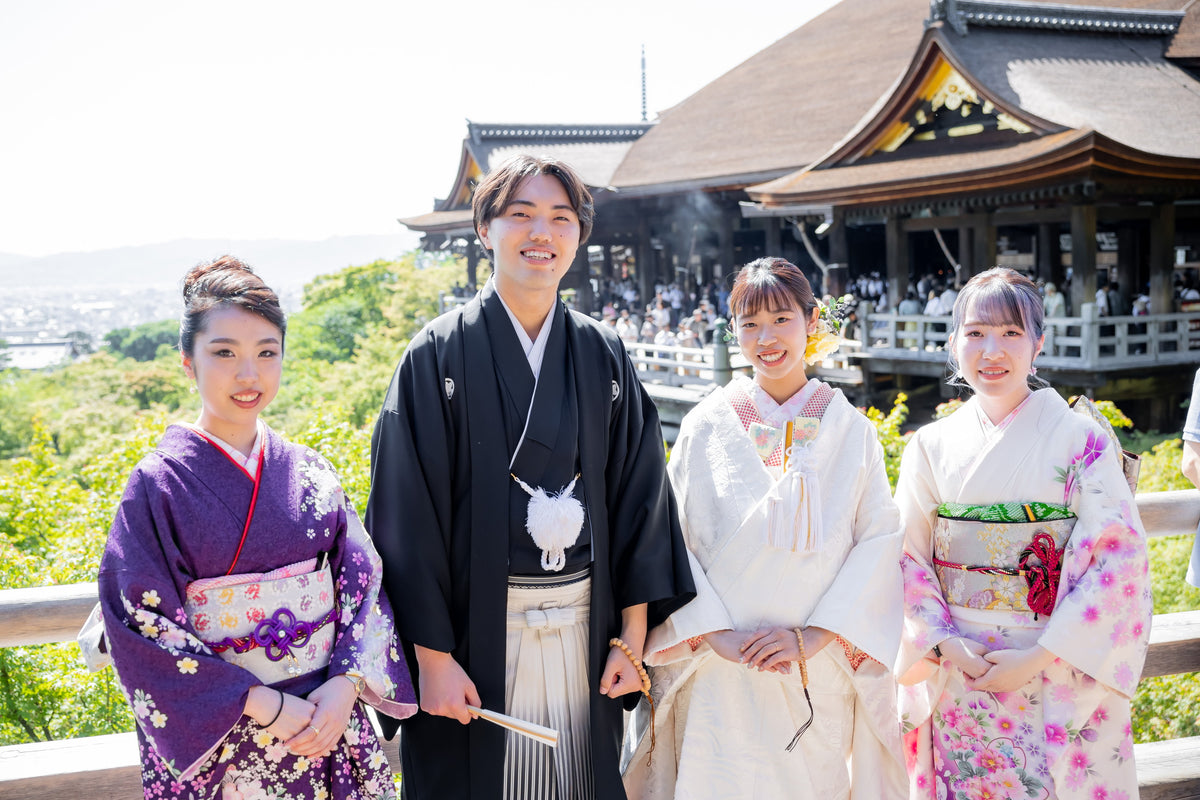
[(724, 268), (1049, 254), (1127, 260), (897, 260), (966, 251), (1083, 255), (984, 247), (645, 262), (581, 271), (474, 249), (839, 254), (774, 239), (1162, 258)]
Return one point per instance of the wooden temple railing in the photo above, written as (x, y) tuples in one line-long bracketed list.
[(1088, 342), (106, 767)]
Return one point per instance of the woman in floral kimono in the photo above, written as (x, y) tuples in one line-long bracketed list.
[(240, 593), (795, 548), (1027, 603)]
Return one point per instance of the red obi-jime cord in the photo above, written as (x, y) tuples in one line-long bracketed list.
[(1042, 578)]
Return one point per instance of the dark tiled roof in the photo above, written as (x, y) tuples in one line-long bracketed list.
[(1053, 16), (441, 221), (1185, 44), (594, 151), (921, 174), (784, 107), (1050, 160), (1120, 86)]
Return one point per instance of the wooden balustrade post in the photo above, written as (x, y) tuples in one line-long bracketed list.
[(722, 371), (1089, 335)]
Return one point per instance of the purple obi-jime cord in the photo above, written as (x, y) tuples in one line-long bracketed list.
[(277, 635)]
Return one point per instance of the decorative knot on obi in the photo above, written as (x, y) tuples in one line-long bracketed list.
[(277, 635), (275, 624), (1004, 556), (1043, 576), (543, 618)]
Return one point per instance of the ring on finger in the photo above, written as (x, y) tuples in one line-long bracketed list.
[(315, 729)]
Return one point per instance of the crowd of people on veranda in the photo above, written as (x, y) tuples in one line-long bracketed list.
[(530, 567)]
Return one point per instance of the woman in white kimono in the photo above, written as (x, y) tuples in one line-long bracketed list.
[(1027, 602), (789, 545)]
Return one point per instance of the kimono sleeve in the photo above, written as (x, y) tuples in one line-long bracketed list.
[(863, 604), (650, 562), (185, 698), (705, 613), (927, 620), (365, 641), (409, 508), (1101, 622)]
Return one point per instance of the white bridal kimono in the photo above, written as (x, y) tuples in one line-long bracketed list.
[(721, 729), (1046, 471)]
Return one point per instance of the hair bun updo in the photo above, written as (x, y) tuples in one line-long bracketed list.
[(224, 282)]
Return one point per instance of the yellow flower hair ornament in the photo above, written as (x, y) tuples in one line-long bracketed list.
[(827, 338)]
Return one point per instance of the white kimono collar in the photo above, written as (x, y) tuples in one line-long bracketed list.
[(535, 349)]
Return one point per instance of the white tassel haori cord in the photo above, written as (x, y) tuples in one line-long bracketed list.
[(554, 521)]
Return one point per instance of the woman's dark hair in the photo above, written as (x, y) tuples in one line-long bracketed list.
[(225, 282), (772, 283)]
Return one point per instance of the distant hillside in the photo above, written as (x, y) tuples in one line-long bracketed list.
[(282, 263)]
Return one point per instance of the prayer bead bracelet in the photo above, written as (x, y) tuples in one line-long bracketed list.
[(803, 658), (803, 680), (616, 641), (637, 663)]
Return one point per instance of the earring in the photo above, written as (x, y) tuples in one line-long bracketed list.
[(192, 389), (1032, 370)]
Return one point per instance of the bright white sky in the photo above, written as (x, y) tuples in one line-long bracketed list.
[(130, 122)]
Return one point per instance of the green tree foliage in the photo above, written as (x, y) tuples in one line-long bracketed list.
[(390, 298), (70, 437), (142, 342), (888, 428), (52, 527), (1168, 707)]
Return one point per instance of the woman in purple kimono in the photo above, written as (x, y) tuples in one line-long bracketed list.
[(241, 595)]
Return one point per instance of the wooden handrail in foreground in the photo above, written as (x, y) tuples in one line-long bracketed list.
[(106, 767), (55, 613)]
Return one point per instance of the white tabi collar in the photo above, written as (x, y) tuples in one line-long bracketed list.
[(535, 350)]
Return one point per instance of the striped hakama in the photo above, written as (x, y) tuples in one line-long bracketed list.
[(546, 655)]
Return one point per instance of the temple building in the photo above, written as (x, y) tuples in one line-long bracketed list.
[(906, 138), (917, 138)]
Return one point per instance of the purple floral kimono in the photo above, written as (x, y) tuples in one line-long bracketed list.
[(1043, 492), (182, 519)]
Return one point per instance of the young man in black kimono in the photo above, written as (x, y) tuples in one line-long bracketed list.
[(520, 504)]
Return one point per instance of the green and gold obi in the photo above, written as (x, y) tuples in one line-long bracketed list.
[(1003, 556)]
